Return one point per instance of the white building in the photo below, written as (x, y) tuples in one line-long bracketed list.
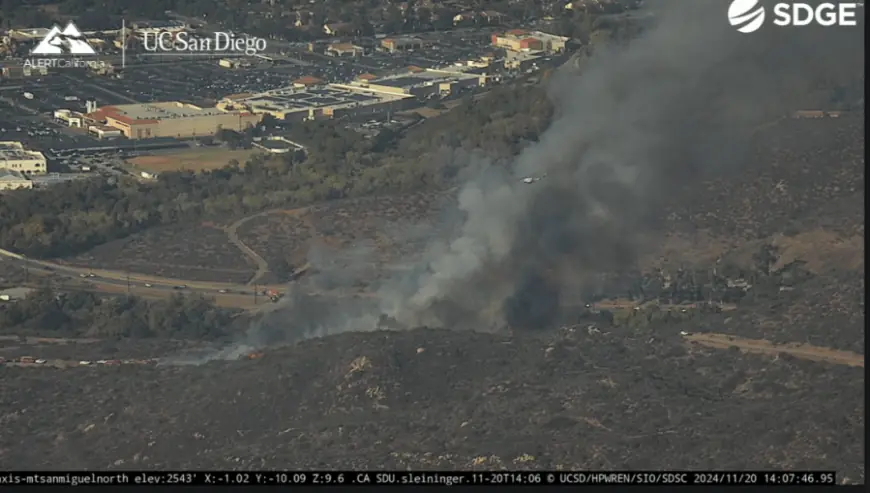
[(13, 180), (13, 156), (71, 118)]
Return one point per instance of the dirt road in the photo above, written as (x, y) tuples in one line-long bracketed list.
[(232, 233), (803, 351)]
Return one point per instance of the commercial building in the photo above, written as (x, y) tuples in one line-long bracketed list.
[(70, 118), (13, 156), (401, 44), (344, 50), (423, 83), (307, 81), (13, 180), (171, 119), (325, 101), (104, 132), (521, 40), (522, 61)]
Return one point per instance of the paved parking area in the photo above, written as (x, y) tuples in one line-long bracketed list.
[(59, 91), (192, 81), (35, 131)]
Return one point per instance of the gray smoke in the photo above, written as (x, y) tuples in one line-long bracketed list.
[(637, 124)]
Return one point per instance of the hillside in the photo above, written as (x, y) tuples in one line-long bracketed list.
[(439, 399)]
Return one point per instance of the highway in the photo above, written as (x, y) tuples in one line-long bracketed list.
[(238, 295)]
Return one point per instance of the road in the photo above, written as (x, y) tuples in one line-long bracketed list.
[(803, 351), (232, 233), (121, 282)]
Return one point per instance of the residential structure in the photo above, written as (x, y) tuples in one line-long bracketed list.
[(171, 119), (13, 156), (13, 180)]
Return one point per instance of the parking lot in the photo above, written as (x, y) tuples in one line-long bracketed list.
[(59, 91), (35, 131)]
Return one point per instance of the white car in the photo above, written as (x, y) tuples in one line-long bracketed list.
[(684, 333), (84, 363), (40, 362), (148, 285)]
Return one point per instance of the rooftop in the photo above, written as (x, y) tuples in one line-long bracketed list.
[(415, 78), (154, 111), (15, 150), (31, 32), (520, 34), (301, 99), (308, 80)]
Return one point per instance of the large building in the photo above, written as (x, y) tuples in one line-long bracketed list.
[(422, 83), (171, 119), (521, 40), (401, 44), (14, 157), (310, 103), (13, 180)]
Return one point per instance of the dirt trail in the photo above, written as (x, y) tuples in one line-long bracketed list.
[(617, 304), (232, 233), (49, 340), (804, 351)]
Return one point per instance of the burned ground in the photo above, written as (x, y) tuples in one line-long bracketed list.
[(196, 253), (438, 399), (384, 229)]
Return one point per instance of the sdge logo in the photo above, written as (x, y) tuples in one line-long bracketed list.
[(748, 16)]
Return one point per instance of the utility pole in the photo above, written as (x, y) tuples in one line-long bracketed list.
[(128, 280), (256, 289)]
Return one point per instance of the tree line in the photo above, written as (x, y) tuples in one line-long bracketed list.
[(82, 314)]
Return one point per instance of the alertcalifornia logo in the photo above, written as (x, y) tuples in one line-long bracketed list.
[(747, 16)]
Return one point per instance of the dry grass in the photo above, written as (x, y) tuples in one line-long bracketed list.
[(192, 160)]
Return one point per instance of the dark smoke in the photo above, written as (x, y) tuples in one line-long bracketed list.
[(635, 126)]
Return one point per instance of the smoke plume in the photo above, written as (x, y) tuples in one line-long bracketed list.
[(635, 124)]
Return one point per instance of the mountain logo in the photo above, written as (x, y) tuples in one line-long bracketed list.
[(746, 15), (70, 41)]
